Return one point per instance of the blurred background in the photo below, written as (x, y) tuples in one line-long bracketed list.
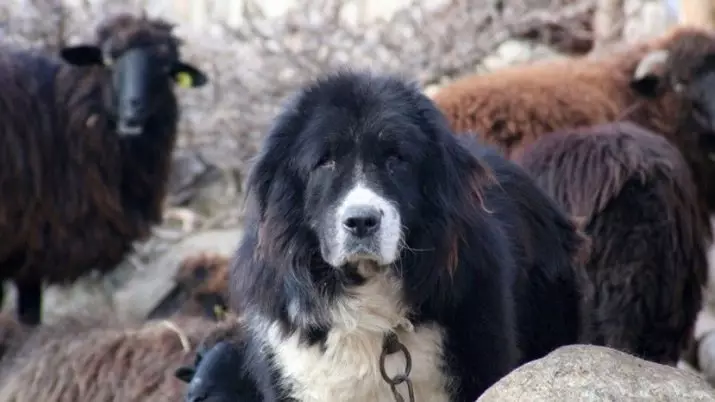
[(258, 52)]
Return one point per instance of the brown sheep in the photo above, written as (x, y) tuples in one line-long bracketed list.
[(85, 149), (664, 85), (201, 288), (107, 363), (636, 198)]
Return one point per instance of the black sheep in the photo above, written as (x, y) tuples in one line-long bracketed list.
[(218, 375), (85, 150), (637, 200)]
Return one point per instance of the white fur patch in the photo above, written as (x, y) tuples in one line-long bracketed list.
[(348, 370), (389, 233)]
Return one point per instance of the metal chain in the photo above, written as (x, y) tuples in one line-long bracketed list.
[(390, 346)]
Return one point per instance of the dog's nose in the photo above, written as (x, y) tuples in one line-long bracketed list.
[(361, 220)]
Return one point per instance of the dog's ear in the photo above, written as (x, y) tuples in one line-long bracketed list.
[(272, 172), (457, 152)]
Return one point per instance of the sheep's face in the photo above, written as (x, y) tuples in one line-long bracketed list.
[(694, 84), (218, 375), (141, 73), (701, 93)]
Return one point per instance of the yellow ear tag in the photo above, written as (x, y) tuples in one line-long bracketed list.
[(183, 79), (219, 312)]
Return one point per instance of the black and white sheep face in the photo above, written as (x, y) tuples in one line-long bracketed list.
[(701, 93), (140, 79), (655, 76), (217, 375)]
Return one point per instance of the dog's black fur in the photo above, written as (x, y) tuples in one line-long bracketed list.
[(486, 256)]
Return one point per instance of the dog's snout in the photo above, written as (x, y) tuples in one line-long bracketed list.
[(362, 221)]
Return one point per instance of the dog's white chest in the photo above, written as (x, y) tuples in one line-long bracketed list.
[(348, 370)]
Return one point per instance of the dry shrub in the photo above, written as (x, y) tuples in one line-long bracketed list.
[(257, 64)]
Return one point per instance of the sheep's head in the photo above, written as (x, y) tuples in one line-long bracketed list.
[(201, 288), (683, 63), (142, 56), (218, 375)]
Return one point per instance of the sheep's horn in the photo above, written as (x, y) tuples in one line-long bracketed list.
[(650, 62)]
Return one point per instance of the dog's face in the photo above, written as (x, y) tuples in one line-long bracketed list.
[(359, 175), (362, 183), (358, 186), (359, 156)]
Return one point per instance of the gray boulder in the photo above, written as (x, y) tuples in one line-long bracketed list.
[(585, 373)]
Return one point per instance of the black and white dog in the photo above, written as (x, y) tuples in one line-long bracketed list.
[(368, 217)]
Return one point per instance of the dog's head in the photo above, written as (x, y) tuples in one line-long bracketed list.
[(359, 171)]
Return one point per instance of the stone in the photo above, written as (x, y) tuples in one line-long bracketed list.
[(706, 356), (587, 373)]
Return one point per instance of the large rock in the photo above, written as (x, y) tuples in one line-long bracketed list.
[(581, 373), (701, 354), (706, 356)]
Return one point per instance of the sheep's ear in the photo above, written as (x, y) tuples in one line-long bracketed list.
[(82, 55), (646, 86), (184, 373), (212, 305), (219, 312), (649, 73), (188, 76)]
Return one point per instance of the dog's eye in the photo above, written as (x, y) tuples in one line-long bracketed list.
[(393, 161)]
